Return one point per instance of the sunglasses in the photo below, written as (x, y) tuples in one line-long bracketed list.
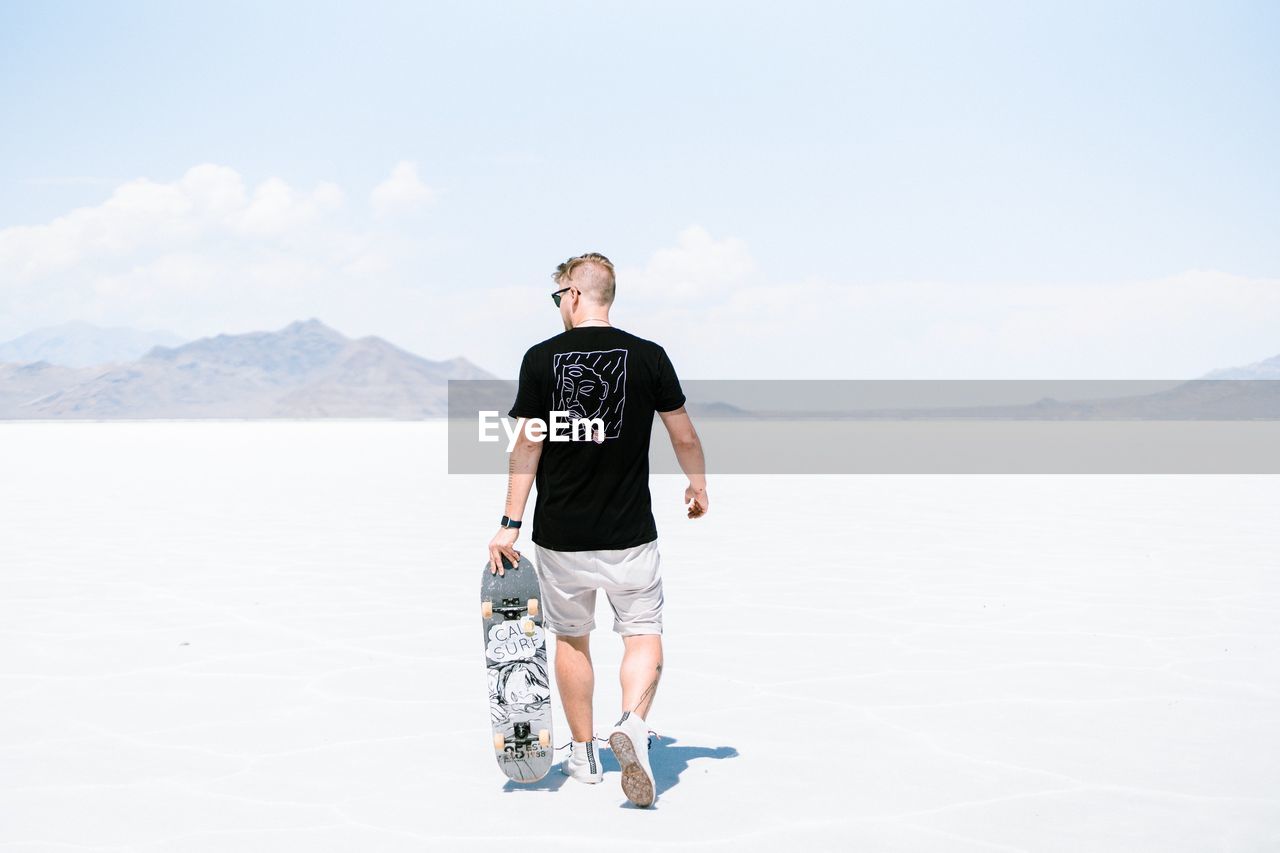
[(555, 297)]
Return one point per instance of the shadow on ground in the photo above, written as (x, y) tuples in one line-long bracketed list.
[(666, 760)]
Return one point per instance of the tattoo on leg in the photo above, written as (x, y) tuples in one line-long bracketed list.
[(646, 698)]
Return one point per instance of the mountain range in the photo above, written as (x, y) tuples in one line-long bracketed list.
[(308, 370), (305, 370)]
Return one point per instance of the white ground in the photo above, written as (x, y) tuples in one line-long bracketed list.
[(264, 637)]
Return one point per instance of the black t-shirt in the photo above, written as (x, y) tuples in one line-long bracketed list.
[(594, 493)]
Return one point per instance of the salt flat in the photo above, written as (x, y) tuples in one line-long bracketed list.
[(248, 636)]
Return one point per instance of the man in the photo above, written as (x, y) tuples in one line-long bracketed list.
[(593, 527)]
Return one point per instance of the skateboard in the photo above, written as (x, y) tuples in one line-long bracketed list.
[(515, 651)]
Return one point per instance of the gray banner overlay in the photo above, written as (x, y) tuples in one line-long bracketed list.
[(1206, 426)]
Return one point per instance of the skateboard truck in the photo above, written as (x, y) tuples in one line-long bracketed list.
[(510, 608), (522, 736)]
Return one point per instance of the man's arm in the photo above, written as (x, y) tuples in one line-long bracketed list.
[(688, 448), (521, 468)]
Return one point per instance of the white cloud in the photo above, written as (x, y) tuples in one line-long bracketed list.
[(201, 251), (402, 191), (144, 215), (277, 209), (697, 268)]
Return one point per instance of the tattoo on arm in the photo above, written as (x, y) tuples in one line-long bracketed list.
[(511, 478)]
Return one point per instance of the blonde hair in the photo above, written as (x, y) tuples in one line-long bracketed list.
[(607, 283)]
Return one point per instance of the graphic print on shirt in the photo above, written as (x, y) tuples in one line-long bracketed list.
[(591, 385)]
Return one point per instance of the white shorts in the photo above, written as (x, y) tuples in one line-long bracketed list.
[(630, 577)]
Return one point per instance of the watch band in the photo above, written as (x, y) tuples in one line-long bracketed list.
[(510, 523)]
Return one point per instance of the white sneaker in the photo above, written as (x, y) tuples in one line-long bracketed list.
[(630, 743), (583, 763)]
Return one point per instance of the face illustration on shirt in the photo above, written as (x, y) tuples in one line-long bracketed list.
[(583, 390), (591, 385)]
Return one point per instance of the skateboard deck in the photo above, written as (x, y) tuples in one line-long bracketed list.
[(515, 651)]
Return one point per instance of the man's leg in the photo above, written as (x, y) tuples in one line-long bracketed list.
[(640, 671), (635, 593), (576, 680)]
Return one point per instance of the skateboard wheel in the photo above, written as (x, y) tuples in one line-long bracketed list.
[(533, 607), (544, 738), (499, 742), (526, 625), (486, 609)]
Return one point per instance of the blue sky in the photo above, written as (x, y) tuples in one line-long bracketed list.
[(881, 172)]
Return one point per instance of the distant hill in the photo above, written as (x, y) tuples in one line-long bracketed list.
[(305, 370), (1266, 369), (80, 344), (1197, 399)]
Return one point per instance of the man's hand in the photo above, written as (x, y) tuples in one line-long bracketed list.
[(697, 502), (503, 544)]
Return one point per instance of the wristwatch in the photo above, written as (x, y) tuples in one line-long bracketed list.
[(510, 523)]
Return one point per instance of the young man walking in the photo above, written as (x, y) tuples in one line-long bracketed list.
[(593, 527)]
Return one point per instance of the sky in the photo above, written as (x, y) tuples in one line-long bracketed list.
[(800, 190)]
